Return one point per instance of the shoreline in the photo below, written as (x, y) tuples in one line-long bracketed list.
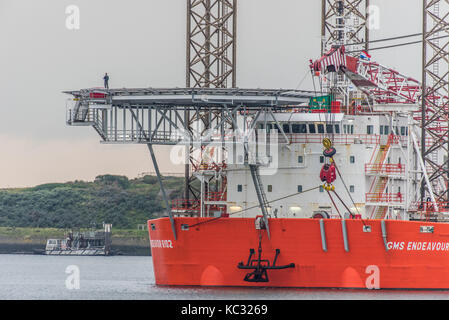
[(35, 248), (32, 240)]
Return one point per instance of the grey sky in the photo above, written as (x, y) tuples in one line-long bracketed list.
[(141, 43)]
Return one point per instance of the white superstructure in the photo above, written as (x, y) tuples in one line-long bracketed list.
[(375, 155), (372, 156)]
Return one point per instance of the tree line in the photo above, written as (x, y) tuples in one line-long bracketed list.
[(108, 199)]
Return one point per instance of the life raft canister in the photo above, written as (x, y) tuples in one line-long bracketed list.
[(327, 173)]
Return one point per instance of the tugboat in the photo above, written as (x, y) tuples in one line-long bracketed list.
[(87, 243)]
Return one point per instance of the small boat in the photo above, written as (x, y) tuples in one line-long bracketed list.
[(88, 243)]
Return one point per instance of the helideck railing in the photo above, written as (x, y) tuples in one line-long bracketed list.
[(186, 205)]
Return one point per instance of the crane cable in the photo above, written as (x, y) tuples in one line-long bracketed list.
[(349, 193), (385, 39), (333, 202), (398, 45)]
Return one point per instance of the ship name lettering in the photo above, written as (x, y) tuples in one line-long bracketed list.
[(395, 245), (418, 246), (161, 243)]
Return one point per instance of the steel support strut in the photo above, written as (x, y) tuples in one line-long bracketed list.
[(161, 185)]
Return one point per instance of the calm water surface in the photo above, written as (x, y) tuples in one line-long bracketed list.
[(120, 277)]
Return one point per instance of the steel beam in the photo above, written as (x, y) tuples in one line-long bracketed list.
[(435, 92), (344, 22)]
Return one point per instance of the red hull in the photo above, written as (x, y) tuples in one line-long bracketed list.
[(208, 254)]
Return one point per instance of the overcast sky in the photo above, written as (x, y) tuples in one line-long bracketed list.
[(141, 43)]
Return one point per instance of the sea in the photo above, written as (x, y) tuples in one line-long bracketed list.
[(40, 277)]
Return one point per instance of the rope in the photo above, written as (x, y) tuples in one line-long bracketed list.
[(384, 39), (346, 188), (398, 45), (253, 207), (304, 78), (336, 208)]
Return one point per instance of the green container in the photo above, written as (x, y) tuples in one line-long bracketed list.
[(320, 103)]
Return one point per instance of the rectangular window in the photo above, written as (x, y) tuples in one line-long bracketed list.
[(299, 128), (312, 128), (348, 128), (386, 129), (381, 129), (402, 131), (320, 128), (276, 127), (268, 127), (300, 159), (239, 188), (286, 128), (329, 128), (337, 129), (351, 189), (352, 159), (321, 159), (369, 129), (295, 128), (299, 188), (270, 188)]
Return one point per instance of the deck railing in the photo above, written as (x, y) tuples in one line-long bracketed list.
[(386, 168), (384, 197)]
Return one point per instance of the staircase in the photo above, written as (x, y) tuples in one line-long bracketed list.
[(379, 182), (379, 212), (259, 188)]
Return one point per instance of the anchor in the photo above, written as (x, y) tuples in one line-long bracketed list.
[(260, 266)]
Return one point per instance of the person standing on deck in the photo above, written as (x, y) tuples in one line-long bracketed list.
[(106, 80)]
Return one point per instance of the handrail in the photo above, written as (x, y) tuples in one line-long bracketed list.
[(384, 197)]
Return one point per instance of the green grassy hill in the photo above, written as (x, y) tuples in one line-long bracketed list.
[(112, 199)]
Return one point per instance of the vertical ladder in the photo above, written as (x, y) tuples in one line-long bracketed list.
[(263, 202)]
